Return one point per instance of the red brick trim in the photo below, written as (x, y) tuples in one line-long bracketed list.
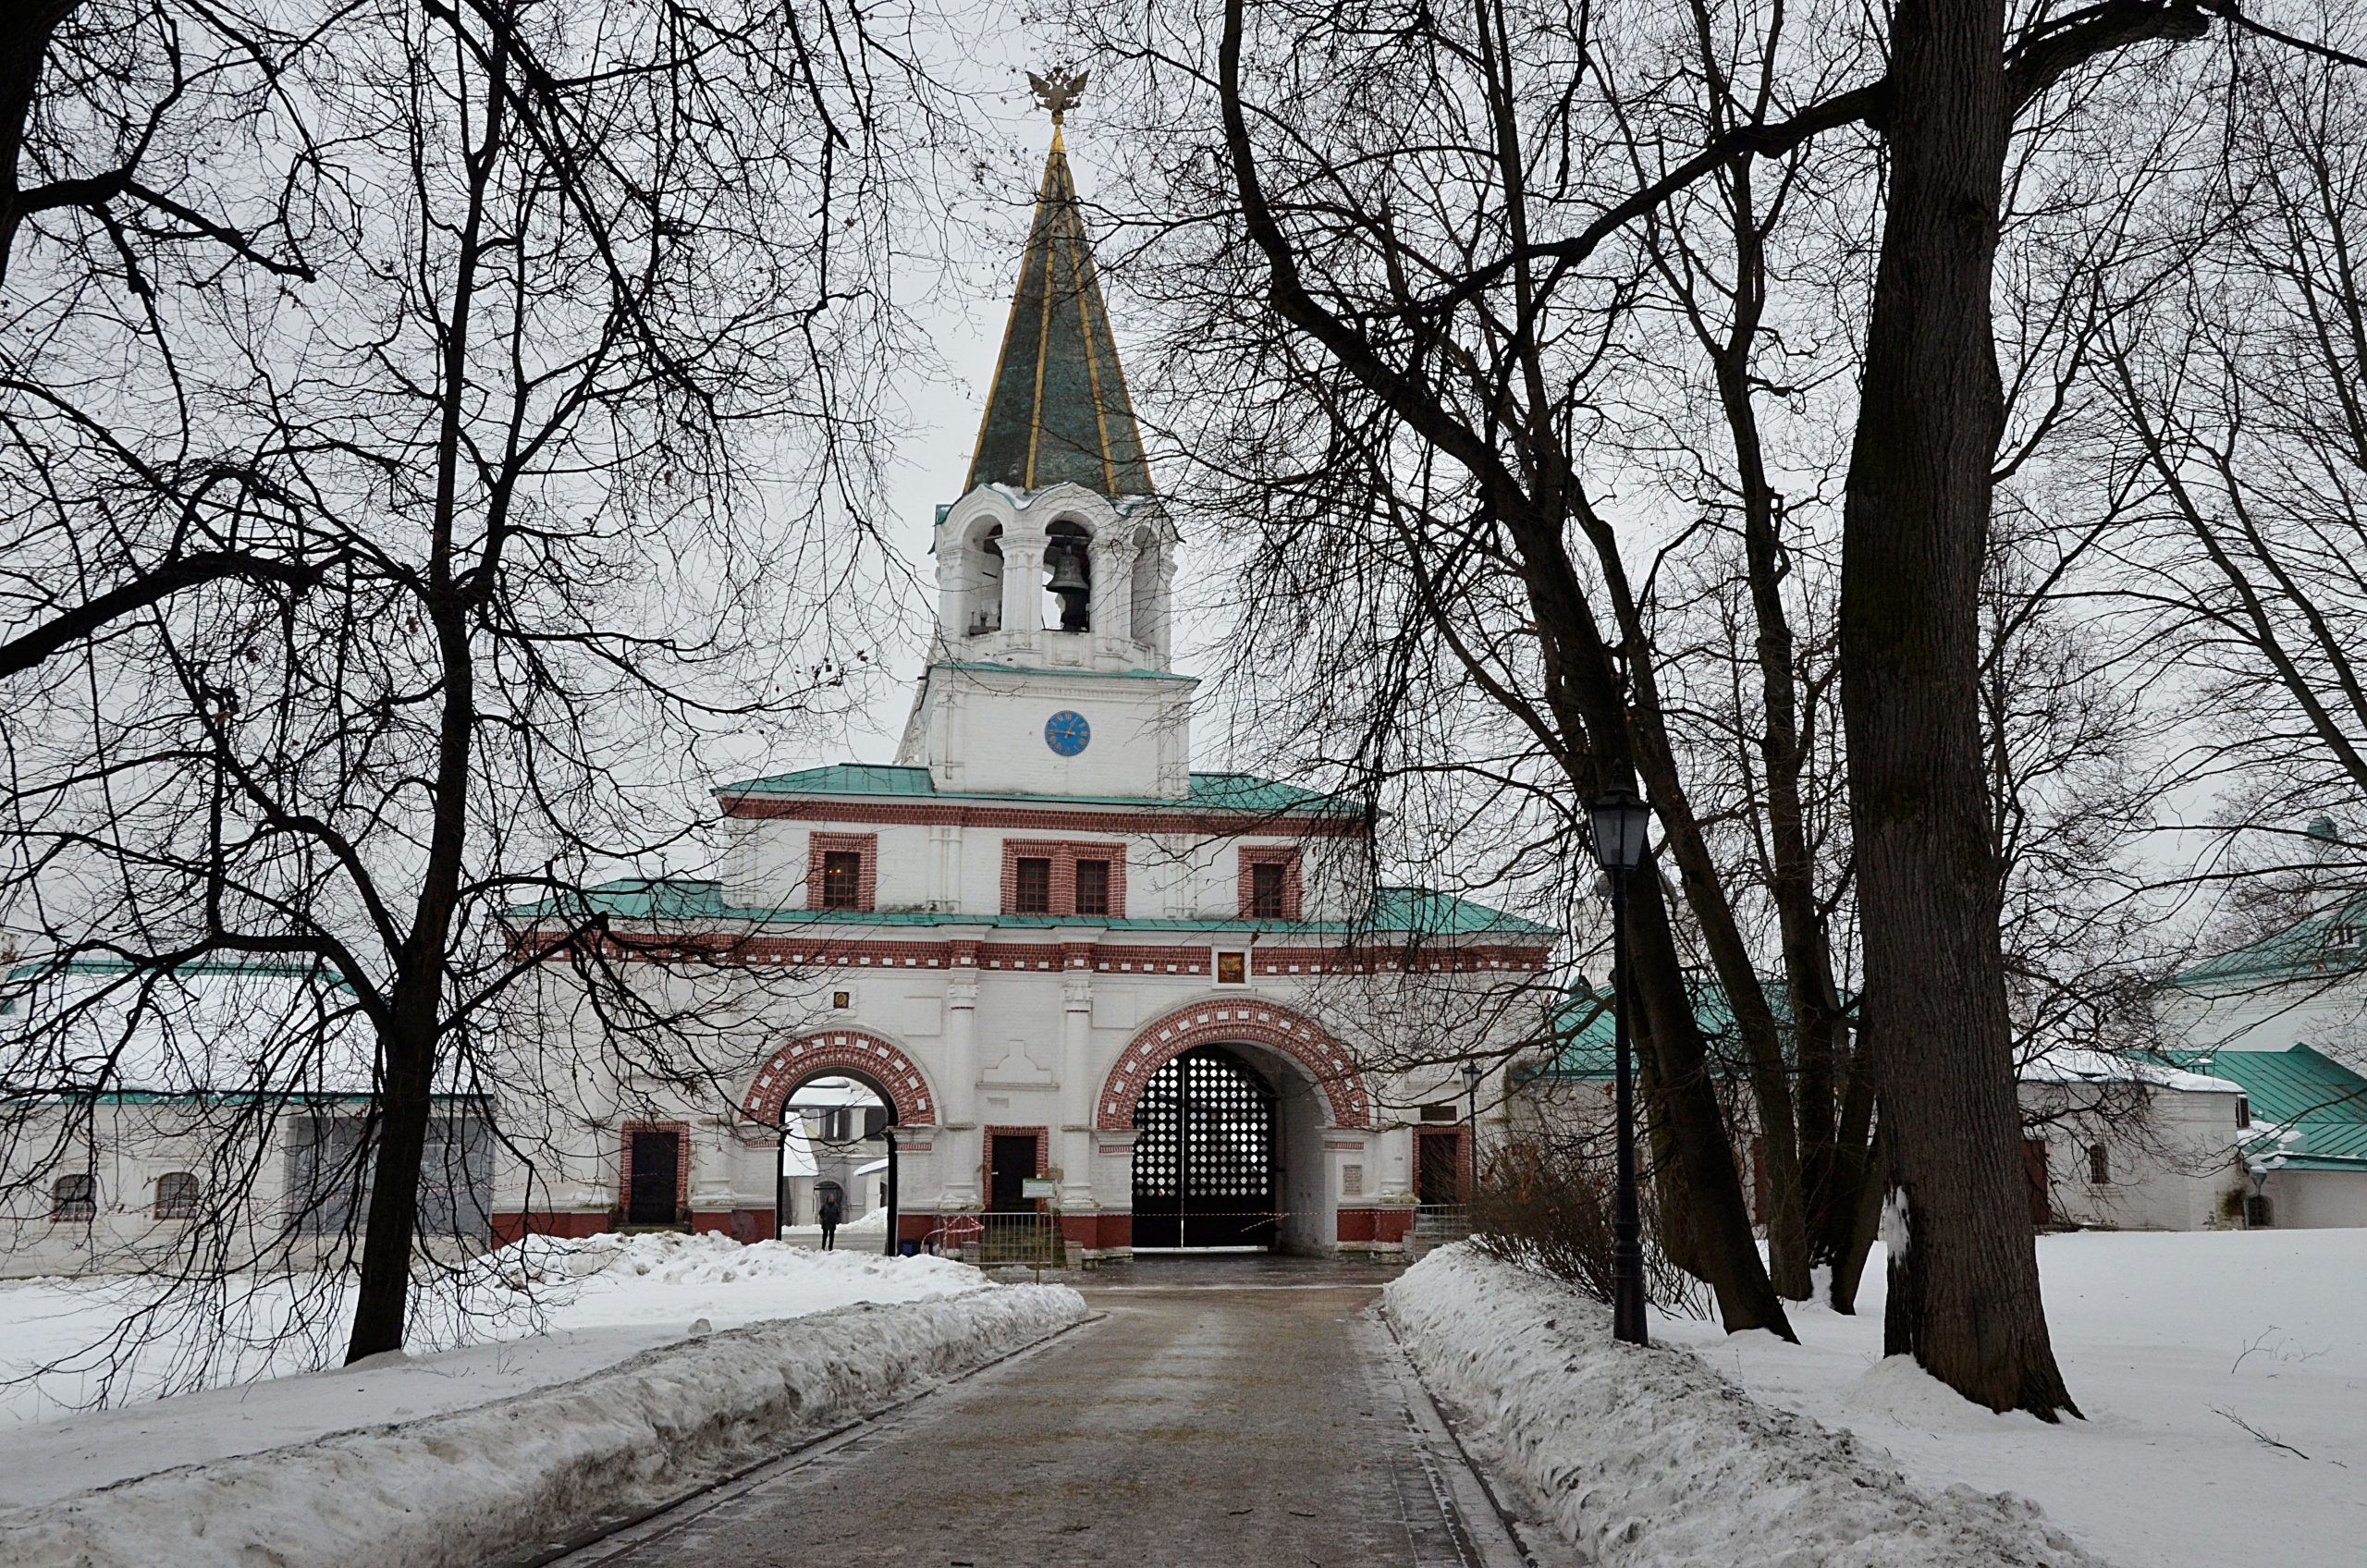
[(682, 1131), (1427, 959), (1064, 853), (1150, 961), (866, 894), (817, 951), (1209, 1024), (853, 1053), (1285, 855), (1029, 819)]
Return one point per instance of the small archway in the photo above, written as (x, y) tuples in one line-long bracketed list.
[(853, 1054)]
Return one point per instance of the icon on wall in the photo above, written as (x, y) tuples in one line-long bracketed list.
[(1067, 732)]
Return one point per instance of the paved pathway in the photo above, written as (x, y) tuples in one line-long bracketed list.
[(1219, 1413)]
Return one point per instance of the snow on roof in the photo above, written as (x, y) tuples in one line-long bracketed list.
[(2069, 1066)]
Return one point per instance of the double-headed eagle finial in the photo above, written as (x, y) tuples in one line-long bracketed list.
[(1057, 90)]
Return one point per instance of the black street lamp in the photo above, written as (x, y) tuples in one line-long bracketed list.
[(1621, 820)]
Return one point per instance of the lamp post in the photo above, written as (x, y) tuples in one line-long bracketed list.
[(1620, 821), (1472, 1074)]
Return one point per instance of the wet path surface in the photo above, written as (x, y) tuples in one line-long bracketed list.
[(1217, 1413)]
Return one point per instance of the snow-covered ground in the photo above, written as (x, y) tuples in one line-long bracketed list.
[(477, 1484), (2224, 1378), (537, 1314), (1648, 1459), (2168, 1341)]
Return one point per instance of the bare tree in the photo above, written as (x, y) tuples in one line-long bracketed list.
[(584, 404)]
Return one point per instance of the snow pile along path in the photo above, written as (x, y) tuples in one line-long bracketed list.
[(1648, 1459), (463, 1488)]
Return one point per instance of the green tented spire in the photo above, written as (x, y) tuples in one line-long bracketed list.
[(1058, 410)]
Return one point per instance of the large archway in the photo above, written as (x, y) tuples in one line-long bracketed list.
[(1289, 1034), (1207, 1148)]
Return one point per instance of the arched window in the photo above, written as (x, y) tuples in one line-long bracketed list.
[(1146, 612), (74, 1198), (1068, 566), (983, 568), (179, 1194)]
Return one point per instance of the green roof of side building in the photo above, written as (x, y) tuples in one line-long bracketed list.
[(1243, 792), (1411, 911), (2331, 943), (2309, 1110)]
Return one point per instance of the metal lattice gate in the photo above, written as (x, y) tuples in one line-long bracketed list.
[(1204, 1161)]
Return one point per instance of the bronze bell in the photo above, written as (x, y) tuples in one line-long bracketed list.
[(1069, 581)]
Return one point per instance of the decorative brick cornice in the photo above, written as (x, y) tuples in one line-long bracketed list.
[(824, 952), (852, 1052), (1046, 819), (1252, 1022)]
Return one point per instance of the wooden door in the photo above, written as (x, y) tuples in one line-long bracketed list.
[(1437, 1172), (655, 1198), (1010, 1160)]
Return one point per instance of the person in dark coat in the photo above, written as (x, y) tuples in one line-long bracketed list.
[(829, 1208)]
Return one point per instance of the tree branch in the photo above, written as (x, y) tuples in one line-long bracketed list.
[(22, 654)]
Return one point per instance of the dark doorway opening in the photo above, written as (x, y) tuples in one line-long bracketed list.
[(1010, 1160), (1438, 1168), (655, 1196), (1204, 1162)]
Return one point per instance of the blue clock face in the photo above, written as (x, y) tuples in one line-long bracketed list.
[(1067, 734)]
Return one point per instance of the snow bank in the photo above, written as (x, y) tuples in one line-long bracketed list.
[(1648, 1459), (462, 1488)]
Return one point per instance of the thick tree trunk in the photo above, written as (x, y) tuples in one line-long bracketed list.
[(382, 1299), (24, 55), (1689, 1126), (1964, 1290)]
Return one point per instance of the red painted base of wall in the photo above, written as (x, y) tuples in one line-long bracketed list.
[(747, 1226), (508, 1227), (1098, 1232), (1375, 1224), (914, 1227)]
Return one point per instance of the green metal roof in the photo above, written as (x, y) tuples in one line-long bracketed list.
[(1243, 792), (1058, 410), (2309, 1109), (2332, 942), (1401, 912), (1586, 1025)]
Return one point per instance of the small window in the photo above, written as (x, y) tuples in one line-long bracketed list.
[(179, 1194), (2243, 1111), (1268, 886), (1232, 969), (1032, 888), (74, 1198), (1443, 1111), (2257, 1214), (2099, 1165), (1092, 887), (841, 879)]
